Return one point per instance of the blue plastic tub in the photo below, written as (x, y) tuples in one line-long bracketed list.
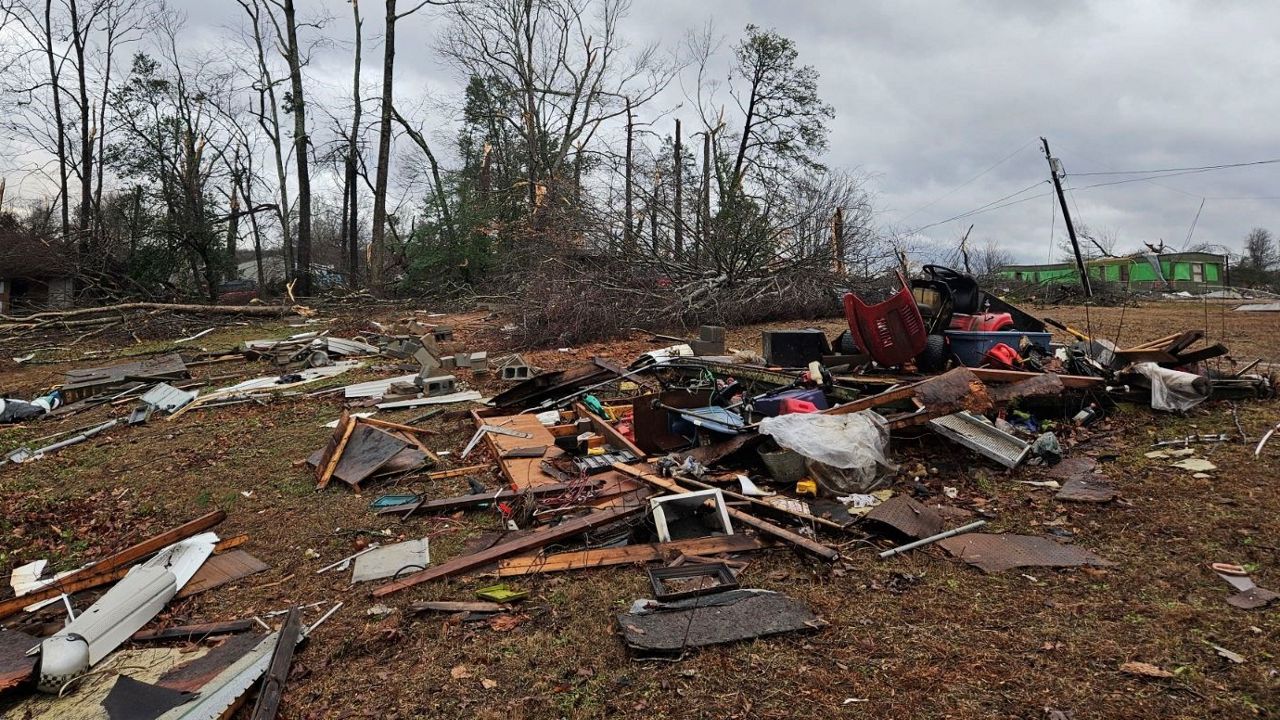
[(970, 347)]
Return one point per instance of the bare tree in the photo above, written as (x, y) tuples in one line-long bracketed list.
[(1260, 252), (298, 108), (351, 193), (269, 120)]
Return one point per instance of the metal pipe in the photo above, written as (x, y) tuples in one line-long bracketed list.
[(933, 539)]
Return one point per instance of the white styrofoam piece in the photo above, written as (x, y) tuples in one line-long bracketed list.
[(388, 560)]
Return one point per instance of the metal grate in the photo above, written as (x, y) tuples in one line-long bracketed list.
[(982, 438)]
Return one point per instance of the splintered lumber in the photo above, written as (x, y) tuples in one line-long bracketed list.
[(463, 502), (955, 390), (629, 554), (396, 426), (278, 672), (114, 566), (333, 450), (814, 548), (532, 541)]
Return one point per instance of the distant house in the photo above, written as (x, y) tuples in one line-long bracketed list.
[(1168, 271), (33, 276)]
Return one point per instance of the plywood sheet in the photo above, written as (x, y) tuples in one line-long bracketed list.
[(222, 569)]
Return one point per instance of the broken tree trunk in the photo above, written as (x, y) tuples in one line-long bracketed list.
[(256, 310)]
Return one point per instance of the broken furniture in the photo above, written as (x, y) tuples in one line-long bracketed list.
[(689, 515)]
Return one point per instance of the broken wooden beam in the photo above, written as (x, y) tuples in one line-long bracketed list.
[(333, 449), (464, 502), (532, 541), (814, 548), (278, 671), (629, 554)]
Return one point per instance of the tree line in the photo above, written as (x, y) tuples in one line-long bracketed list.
[(654, 173)]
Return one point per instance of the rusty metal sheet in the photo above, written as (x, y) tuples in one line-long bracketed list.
[(907, 517), (1092, 489), (995, 553), (222, 569)]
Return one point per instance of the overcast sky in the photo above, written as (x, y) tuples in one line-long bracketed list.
[(942, 104)]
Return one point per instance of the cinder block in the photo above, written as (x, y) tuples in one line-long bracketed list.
[(711, 333), (706, 347)]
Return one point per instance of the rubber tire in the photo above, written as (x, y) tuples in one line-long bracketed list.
[(844, 344), (935, 355)]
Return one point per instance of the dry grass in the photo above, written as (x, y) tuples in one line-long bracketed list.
[(920, 636)]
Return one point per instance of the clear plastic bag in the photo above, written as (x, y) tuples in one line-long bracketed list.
[(844, 453)]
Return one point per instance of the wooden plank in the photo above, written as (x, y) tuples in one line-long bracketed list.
[(397, 426), (278, 672), (220, 570), (463, 502), (800, 541), (189, 632), (114, 566), (629, 554), (1204, 353), (610, 433), (231, 543), (1075, 382), (333, 449), (532, 541), (457, 472), (455, 607), (367, 449)]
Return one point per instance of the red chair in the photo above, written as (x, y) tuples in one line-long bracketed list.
[(891, 332)]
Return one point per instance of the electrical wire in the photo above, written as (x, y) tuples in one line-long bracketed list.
[(1200, 168), (966, 183), (993, 205)]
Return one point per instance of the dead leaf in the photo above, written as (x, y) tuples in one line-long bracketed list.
[(488, 684), (506, 623), (460, 672), (1145, 670)]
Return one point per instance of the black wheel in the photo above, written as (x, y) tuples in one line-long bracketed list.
[(845, 345), (935, 355)]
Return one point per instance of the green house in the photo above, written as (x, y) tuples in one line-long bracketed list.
[(1176, 271)]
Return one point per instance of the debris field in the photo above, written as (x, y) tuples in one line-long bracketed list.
[(387, 512)]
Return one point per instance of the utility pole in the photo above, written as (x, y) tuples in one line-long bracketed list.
[(1055, 171)]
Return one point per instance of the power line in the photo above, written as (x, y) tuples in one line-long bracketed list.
[(1201, 168), (993, 205)]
